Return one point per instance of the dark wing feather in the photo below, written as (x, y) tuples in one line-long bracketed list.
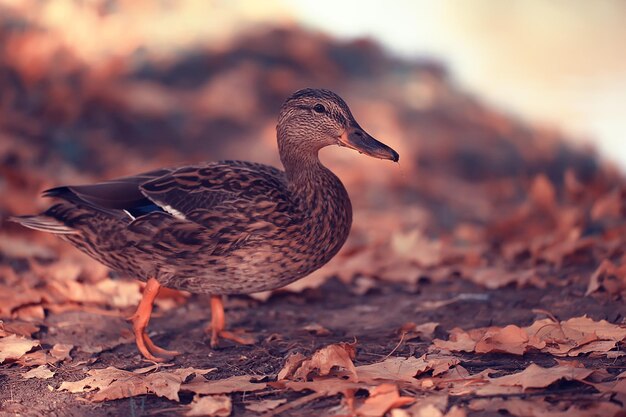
[(203, 194), (111, 196)]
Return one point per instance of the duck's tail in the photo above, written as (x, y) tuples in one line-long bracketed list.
[(44, 224)]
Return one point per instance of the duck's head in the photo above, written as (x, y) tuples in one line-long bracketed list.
[(314, 118)]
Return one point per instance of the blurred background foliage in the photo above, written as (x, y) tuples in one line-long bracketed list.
[(94, 89), (560, 63)]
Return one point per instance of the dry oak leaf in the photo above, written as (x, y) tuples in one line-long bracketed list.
[(40, 372), (619, 385), (240, 383), (61, 351), (292, 363), (566, 338), (13, 347), (211, 405), (382, 399), (537, 377), (510, 339), (458, 381), (405, 369), (20, 328), (338, 355), (36, 358), (114, 383), (459, 340)]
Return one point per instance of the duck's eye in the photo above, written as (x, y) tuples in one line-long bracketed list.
[(319, 108)]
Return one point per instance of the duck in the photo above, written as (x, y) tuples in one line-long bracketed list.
[(220, 228)]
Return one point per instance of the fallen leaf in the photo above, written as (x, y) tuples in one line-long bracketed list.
[(211, 405), (292, 363), (157, 366), (265, 405), (510, 339), (240, 383), (34, 313), (322, 362), (537, 377), (405, 369), (571, 337), (423, 331), (382, 399), (113, 383), (40, 372), (36, 358), (459, 341), (61, 351), (13, 347), (18, 328)]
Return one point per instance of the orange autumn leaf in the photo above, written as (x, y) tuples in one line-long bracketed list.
[(13, 347), (210, 406), (538, 377), (321, 363), (399, 369), (113, 383), (565, 338), (238, 383), (510, 339), (382, 399)]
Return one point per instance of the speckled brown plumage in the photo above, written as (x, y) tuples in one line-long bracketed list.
[(225, 227), (243, 231)]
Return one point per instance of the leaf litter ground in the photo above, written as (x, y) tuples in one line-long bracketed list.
[(485, 276)]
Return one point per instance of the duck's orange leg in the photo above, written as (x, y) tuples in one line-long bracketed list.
[(140, 321), (218, 324)]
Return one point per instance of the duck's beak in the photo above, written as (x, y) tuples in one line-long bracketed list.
[(358, 139)]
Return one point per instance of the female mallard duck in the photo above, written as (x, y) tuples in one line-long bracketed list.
[(226, 227)]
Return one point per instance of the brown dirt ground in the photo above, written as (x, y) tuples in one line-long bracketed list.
[(372, 319)]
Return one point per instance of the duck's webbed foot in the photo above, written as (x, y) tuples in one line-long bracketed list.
[(140, 321), (218, 324)]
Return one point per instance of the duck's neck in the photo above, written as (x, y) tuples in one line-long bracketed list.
[(310, 180), (320, 195)]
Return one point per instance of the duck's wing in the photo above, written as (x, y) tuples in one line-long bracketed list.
[(121, 197), (214, 192), (214, 196), (118, 200)]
